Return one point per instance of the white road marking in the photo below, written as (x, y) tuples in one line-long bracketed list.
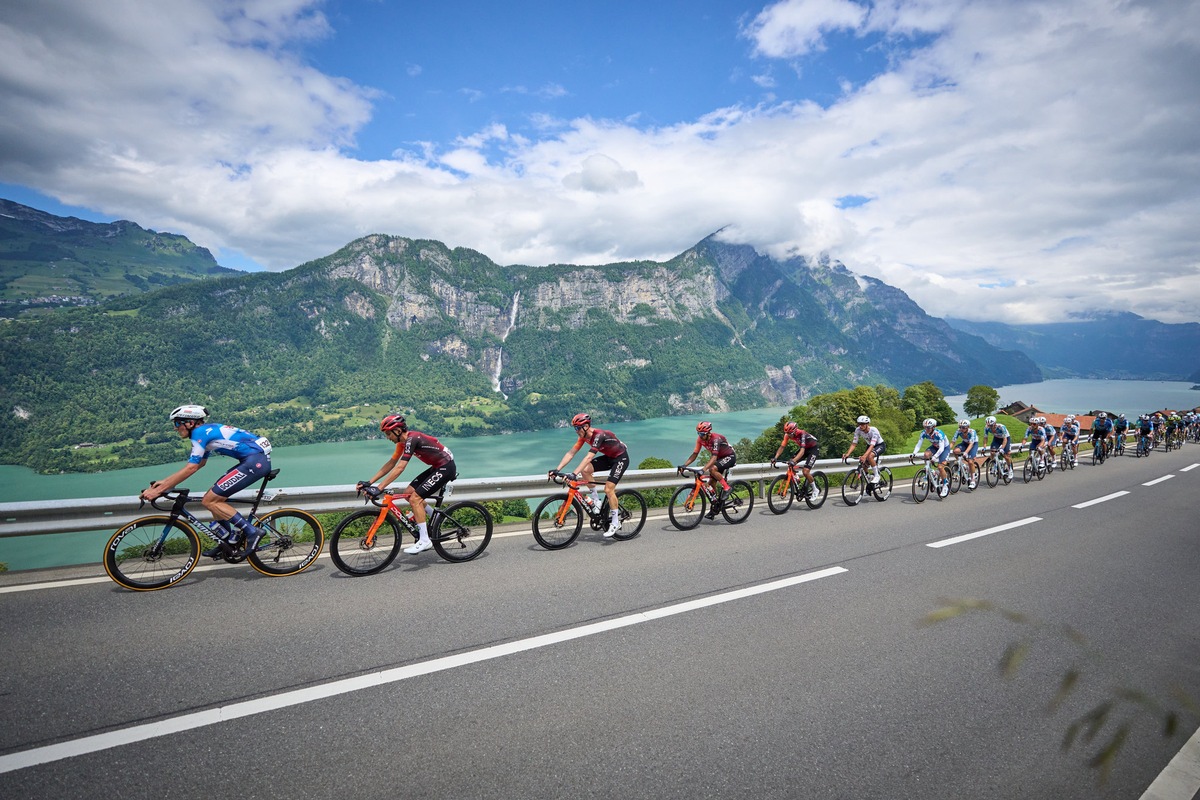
[(1104, 499), (1179, 780), (1159, 480), (1189, 468), (988, 532), (199, 719)]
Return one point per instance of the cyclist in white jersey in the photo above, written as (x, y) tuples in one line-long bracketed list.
[(875, 446)]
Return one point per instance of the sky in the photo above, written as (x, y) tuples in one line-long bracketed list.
[(995, 159)]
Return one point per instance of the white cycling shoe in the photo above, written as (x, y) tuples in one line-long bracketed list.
[(613, 529), (420, 547)]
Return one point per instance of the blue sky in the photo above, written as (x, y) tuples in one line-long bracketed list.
[(998, 159)]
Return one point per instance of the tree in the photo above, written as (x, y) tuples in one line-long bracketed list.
[(926, 400), (981, 400)]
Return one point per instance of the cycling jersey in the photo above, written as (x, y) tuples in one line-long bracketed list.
[(1034, 433), (872, 435), (603, 442), (225, 440), (937, 441), (806, 441), (424, 447), (998, 431), (716, 444), (1101, 426), (968, 440), (1070, 430)]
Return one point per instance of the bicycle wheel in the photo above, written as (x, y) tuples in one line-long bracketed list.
[(975, 476), (882, 489), (686, 511), (633, 513), (550, 532), (853, 488), (1027, 470), (956, 478), (350, 551), (291, 543), (816, 490), (920, 486), (461, 531), (739, 501), (779, 495), (151, 553), (993, 472)]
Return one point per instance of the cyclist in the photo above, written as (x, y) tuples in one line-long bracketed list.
[(1172, 426), (426, 448), (807, 455), (1035, 434), (1050, 436), (968, 445), (939, 449), (1000, 440), (606, 452), (1146, 430), (875, 446), (1120, 428), (722, 458), (1069, 432), (1101, 431), (253, 454)]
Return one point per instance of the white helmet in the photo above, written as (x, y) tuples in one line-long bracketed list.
[(964, 423), (189, 412), (864, 420), (1102, 415), (1070, 418), (990, 421), (930, 422)]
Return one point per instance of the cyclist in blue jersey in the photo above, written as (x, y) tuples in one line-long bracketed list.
[(1000, 440), (1035, 434), (1120, 428), (1069, 433), (253, 454), (1101, 430), (967, 446), (939, 449), (1050, 436)]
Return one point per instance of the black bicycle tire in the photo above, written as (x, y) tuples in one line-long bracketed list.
[(855, 482), (355, 561), (120, 570), (779, 495), (300, 558), (741, 496), (635, 507), (821, 481), (685, 519), (920, 485), (454, 536), (882, 488), (576, 513)]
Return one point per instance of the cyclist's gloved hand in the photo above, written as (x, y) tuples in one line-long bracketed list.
[(372, 491)]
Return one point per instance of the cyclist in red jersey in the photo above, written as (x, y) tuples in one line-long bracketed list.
[(807, 444), (722, 458), (426, 448), (607, 453)]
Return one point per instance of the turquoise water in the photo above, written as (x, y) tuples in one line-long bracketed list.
[(1077, 396)]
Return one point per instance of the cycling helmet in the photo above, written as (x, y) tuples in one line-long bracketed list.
[(964, 423), (579, 420), (791, 428), (990, 421), (1102, 415), (930, 422), (864, 420), (704, 428), (393, 422), (1120, 416), (1070, 418), (189, 412)]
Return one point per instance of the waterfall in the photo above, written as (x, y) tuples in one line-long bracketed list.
[(512, 323)]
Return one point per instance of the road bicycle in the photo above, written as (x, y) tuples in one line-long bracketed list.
[(859, 483), (367, 541), (1067, 458), (996, 469), (689, 503), (964, 474), (155, 552), (1118, 447), (1145, 446), (559, 518), (1099, 451), (792, 485), (1035, 466), (927, 478)]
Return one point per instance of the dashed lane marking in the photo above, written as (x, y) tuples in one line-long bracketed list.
[(988, 532)]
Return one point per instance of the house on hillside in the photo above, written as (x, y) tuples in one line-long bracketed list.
[(1022, 411)]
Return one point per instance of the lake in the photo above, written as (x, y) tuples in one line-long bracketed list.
[(1077, 396)]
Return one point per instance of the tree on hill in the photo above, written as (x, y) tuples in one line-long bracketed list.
[(925, 400), (981, 400)]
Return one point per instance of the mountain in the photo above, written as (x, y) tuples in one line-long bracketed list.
[(320, 352), (1119, 345), (47, 260)]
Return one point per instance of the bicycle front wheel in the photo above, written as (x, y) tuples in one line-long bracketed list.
[(685, 510), (557, 522), (920, 486), (291, 543), (632, 513), (956, 478), (816, 490), (853, 488), (461, 531), (354, 553), (739, 501), (151, 553), (1027, 471), (993, 473), (779, 495)]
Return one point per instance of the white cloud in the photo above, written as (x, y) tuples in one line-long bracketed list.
[(1050, 152)]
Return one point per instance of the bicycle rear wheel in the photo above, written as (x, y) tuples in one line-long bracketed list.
[(135, 559), (816, 490), (548, 530), (739, 501), (350, 551), (461, 531), (632, 513), (686, 511), (779, 495), (882, 488), (291, 543)]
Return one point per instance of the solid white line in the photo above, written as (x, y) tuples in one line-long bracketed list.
[(1159, 480), (1189, 468), (1179, 780), (138, 733), (1104, 499), (988, 532)]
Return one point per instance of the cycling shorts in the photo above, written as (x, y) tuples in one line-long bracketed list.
[(614, 466), (725, 464), (248, 470), (808, 458), (933, 452), (431, 481), (1068, 437), (1001, 445), (971, 451)]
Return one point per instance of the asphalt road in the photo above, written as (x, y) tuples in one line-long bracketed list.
[(779, 658)]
